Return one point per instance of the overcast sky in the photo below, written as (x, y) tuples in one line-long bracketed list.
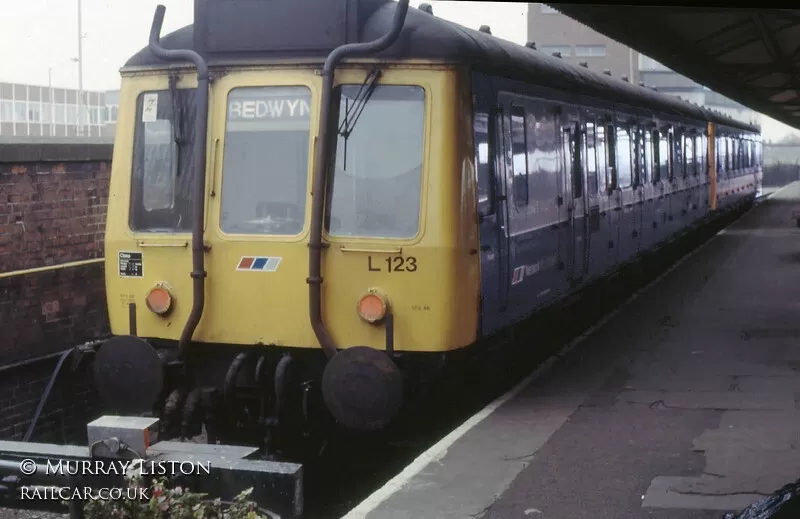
[(39, 35), (42, 35)]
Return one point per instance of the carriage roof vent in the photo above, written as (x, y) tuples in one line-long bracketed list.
[(625, 78), (584, 64), (531, 45), (426, 8), (557, 54), (607, 72), (641, 83), (486, 29)]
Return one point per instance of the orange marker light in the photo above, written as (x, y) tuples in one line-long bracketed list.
[(372, 307), (159, 300)]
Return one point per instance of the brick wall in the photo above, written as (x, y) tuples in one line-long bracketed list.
[(53, 201)]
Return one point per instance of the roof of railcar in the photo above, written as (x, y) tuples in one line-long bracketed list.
[(425, 36)]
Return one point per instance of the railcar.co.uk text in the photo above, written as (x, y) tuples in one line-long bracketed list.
[(138, 467)]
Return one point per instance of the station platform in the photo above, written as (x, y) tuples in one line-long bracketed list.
[(683, 403)]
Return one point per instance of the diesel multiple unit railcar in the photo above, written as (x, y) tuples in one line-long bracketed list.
[(313, 202)]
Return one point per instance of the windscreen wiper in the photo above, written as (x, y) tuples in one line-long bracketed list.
[(359, 103), (177, 133)]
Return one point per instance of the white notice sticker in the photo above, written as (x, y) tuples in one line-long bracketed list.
[(149, 107)]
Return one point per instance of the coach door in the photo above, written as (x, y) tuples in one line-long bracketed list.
[(492, 211), (573, 181)]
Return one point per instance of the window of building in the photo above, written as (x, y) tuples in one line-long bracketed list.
[(590, 51), (72, 114), (20, 112), (47, 113), (61, 114), (6, 111), (565, 50), (34, 112), (546, 9), (377, 177), (110, 113)]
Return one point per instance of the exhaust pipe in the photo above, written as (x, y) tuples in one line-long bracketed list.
[(198, 273), (321, 168)]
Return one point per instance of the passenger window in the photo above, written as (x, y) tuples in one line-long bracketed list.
[(647, 155), (611, 149), (698, 155), (636, 157), (747, 153), (624, 173), (656, 143), (678, 166), (688, 155), (591, 158), (724, 149), (577, 166), (519, 152), (602, 169), (542, 135), (483, 170), (758, 154), (704, 155), (663, 154), (742, 165)]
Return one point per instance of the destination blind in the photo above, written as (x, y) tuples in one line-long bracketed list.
[(265, 108)]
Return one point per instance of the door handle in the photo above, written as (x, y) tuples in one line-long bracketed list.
[(163, 244), (375, 250)]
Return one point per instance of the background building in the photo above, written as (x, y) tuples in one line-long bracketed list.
[(555, 32), (42, 111)]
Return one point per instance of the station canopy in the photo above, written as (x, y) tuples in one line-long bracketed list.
[(751, 56)]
